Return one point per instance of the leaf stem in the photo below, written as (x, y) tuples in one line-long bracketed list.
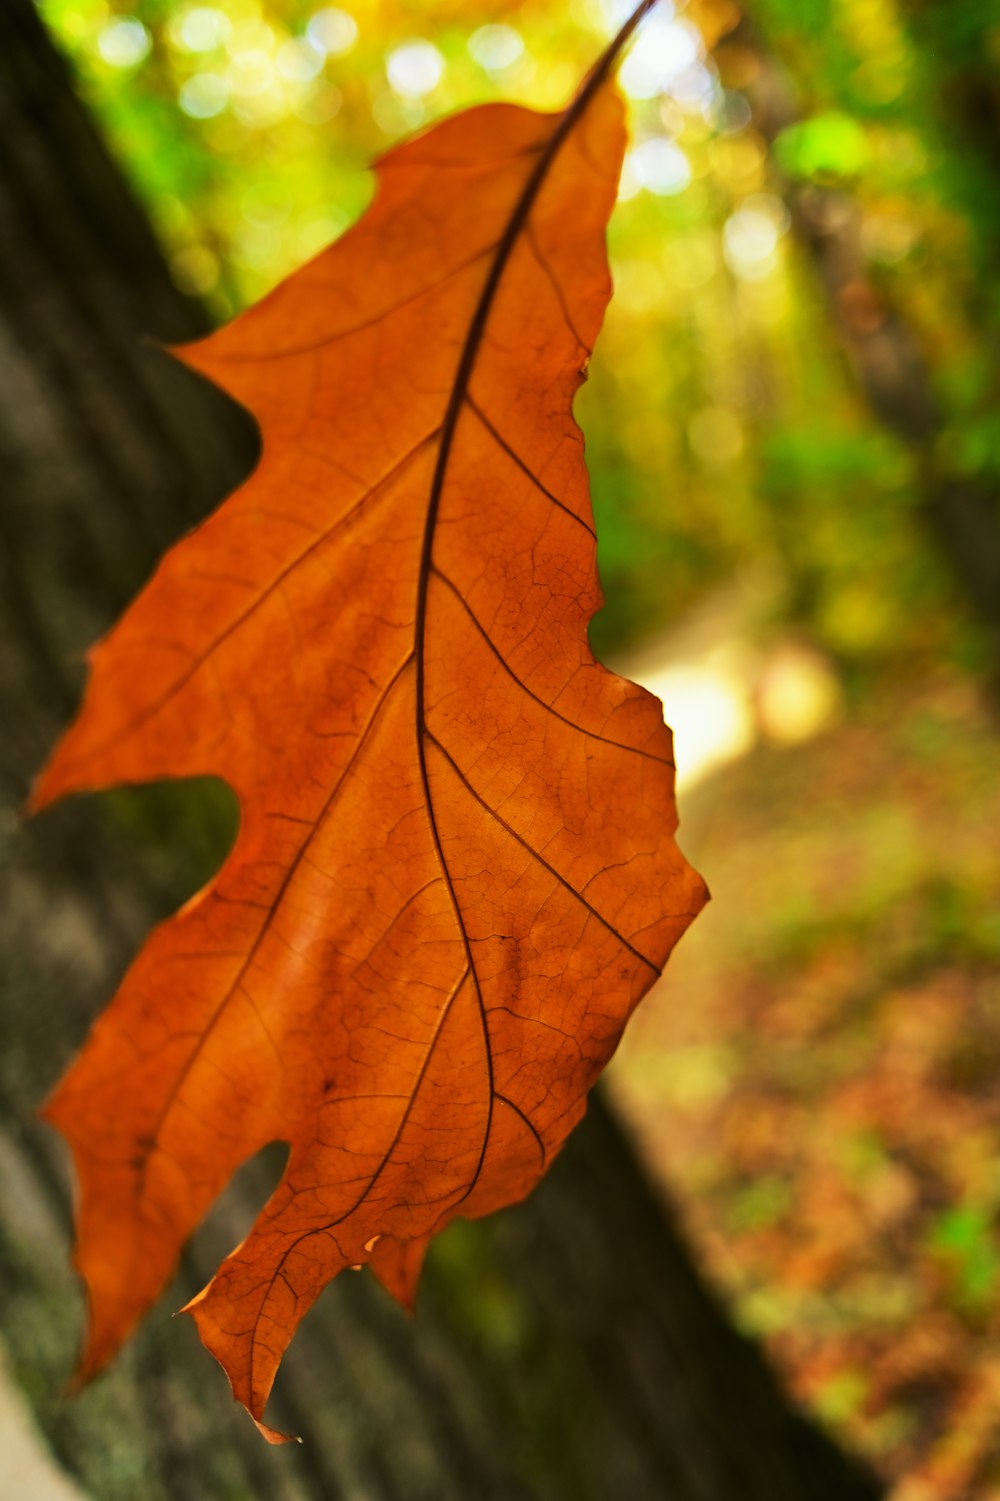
[(615, 47)]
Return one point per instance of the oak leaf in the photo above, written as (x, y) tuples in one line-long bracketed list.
[(455, 873)]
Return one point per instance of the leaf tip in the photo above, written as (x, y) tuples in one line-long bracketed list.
[(397, 1265), (41, 793), (252, 1404), (273, 1435)]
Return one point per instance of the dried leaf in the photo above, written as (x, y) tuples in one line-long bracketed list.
[(455, 873)]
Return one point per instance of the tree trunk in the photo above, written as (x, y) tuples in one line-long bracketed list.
[(891, 371), (565, 1349)]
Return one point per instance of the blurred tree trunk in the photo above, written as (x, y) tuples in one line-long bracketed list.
[(565, 1350), (891, 371)]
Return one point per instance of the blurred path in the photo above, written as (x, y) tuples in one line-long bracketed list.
[(27, 1470)]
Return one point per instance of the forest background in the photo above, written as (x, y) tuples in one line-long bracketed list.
[(794, 441)]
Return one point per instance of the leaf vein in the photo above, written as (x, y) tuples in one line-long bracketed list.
[(272, 909), (511, 453), (492, 812), (550, 708)]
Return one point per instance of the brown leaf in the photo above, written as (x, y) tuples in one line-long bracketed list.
[(455, 873)]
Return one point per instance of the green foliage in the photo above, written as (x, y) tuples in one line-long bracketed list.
[(726, 436), (828, 147), (965, 1240)]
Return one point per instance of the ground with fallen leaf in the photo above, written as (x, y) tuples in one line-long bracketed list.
[(817, 1076)]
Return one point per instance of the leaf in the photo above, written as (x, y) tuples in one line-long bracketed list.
[(455, 873)]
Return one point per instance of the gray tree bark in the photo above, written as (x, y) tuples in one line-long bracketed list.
[(564, 1351)]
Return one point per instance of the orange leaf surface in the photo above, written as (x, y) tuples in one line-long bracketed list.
[(455, 873)]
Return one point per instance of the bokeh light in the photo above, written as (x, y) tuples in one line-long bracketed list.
[(496, 48), (334, 32), (415, 69), (124, 42)]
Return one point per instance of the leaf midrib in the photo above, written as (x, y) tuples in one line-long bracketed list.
[(518, 223)]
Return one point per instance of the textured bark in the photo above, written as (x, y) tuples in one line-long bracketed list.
[(566, 1349)]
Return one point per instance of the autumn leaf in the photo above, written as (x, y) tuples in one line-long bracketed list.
[(455, 873)]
